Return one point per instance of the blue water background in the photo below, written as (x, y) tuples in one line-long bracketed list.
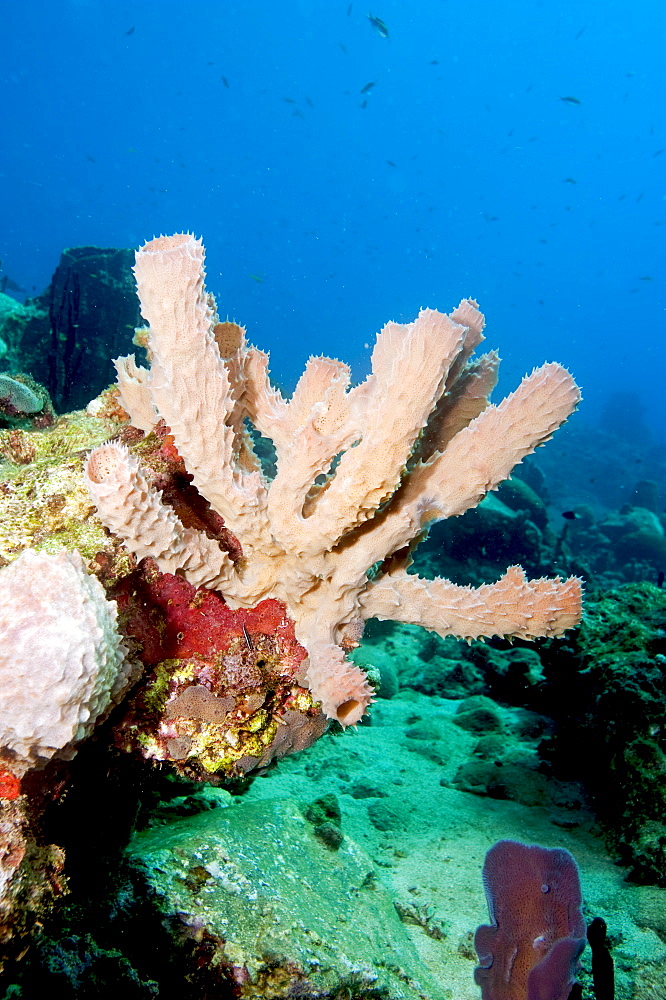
[(326, 210)]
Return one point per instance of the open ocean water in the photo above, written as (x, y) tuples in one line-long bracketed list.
[(347, 165)]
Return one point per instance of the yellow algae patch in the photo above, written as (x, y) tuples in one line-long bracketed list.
[(43, 502)]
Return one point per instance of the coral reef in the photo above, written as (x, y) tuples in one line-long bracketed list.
[(361, 472), (16, 447), (402, 827), (228, 874), (225, 693), (601, 462), (628, 545), (241, 592), (600, 695), (24, 337), (43, 503), (509, 526), (611, 734)]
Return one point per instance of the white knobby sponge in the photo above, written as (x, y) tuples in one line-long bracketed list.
[(62, 660), (19, 396)]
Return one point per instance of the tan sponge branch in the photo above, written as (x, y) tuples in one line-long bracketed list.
[(361, 471)]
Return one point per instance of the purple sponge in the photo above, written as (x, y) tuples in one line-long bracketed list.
[(531, 949)]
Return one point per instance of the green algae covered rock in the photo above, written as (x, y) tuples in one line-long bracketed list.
[(608, 687), (274, 912), (43, 501)]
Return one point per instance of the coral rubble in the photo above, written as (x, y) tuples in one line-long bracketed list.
[(361, 472)]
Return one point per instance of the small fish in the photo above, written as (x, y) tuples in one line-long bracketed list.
[(660, 578), (368, 87), (579, 33), (390, 163), (645, 277), (257, 277), (225, 81), (131, 31), (571, 515), (248, 640), (378, 25), (570, 100), (349, 10), (569, 180)]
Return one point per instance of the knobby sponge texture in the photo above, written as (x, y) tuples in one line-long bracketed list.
[(62, 660)]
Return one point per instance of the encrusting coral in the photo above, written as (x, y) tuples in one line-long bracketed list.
[(223, 692), (361, 472)]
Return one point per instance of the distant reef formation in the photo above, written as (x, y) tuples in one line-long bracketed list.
[(66, 336)]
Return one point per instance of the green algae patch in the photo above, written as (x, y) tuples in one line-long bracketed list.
[(608, 690), (624, 622), (276, 913), (43, 502)]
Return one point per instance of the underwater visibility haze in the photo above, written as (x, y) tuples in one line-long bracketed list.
[(243, 750), (340, 178)]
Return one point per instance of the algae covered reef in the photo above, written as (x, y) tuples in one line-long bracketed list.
[(183, 812)]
